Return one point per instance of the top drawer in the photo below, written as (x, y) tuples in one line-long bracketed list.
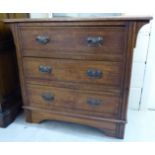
[(74, 42)]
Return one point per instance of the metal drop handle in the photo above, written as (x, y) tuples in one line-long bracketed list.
[(95, 41), (45, 69), (94, 73), (94, 102), (42, 39), (48, 96)]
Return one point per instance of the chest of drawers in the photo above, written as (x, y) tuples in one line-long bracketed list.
[(77, 70)]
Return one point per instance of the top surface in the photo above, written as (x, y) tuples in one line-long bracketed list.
[(68, 19)]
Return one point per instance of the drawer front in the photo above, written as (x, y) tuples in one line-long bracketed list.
[(91, 72), (74, 42), (76, 100)]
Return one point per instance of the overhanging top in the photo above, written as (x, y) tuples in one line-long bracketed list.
[(74, 19)]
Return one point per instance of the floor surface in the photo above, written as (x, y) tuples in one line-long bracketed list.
[(140, 127)]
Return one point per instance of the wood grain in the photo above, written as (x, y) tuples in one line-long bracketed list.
[(69, 57), (74, 71), (73, 43), (64, 99)]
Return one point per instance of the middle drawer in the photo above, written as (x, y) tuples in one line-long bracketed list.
[(80, 71)]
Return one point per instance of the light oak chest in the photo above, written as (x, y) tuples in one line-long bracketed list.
[(77, 70)]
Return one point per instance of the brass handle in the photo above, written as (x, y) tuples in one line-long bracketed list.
[(94, 102), (95, 41), (45, 69), (48, 96), (94, 73), (42, 39)]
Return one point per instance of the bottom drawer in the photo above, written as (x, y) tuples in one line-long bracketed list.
[(78, 101)]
